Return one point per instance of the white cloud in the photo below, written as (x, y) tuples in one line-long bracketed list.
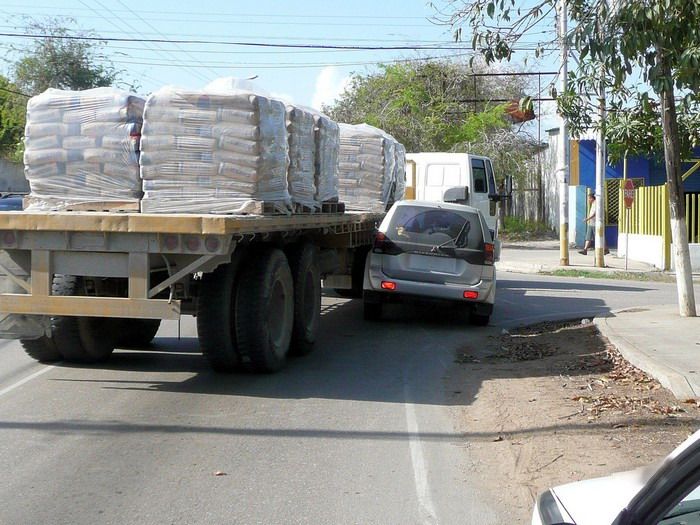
[(330, 84)]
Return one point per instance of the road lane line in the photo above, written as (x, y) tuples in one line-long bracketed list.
[(25, 380), (419, 471)]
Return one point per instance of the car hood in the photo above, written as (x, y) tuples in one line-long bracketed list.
[(598, 501)]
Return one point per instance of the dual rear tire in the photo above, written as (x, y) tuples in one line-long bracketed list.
[(260, 308)]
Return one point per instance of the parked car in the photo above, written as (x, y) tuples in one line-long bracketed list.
[(432, 251), (668, 494)]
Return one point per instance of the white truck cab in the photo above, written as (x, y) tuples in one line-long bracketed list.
[(429, 175)]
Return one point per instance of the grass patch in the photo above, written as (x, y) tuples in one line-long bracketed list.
[(620, 275), (516, 229)]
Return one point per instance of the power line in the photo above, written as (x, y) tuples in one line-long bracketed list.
[(15, 92), (235, 43), (230, 43), (251, 15)]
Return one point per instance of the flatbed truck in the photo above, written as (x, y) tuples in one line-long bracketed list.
[(77, 284)]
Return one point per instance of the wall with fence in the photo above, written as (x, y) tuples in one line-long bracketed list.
[(645, 229)]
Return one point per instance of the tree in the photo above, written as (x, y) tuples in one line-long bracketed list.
[(655, 40), (428, 105), (56, 60), (441, 106), (13, 107)]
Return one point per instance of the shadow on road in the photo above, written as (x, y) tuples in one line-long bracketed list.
[(402, 358)]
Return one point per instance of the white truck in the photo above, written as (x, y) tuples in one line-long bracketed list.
[(429, 175), (77, 284)]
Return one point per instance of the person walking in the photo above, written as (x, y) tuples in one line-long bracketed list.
[(590, 224)]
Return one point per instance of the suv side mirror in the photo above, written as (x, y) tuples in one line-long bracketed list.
[(458, 194)]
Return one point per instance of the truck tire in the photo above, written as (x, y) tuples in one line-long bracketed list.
[(81, 339), (136, 333), (306, 274), (265, 311), (216, 311), (41, 349)]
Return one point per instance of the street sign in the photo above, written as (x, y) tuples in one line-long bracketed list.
[(628, 193)]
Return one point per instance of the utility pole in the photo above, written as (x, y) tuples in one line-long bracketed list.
[(600, 162), (563, 145)]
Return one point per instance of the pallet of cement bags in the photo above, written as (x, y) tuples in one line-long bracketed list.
[(366, 167), (82, 149), (302, 158), (214, 152)]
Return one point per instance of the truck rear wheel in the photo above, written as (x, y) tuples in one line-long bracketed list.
[(42, 349), (265, 310), (306, 273), (216, 311), (81, 339), (136, 333)]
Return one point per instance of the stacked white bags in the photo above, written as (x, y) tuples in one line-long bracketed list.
[(400, 172), (327, 144), (302, 157), (82, 147), (366, 167), (205, 152)]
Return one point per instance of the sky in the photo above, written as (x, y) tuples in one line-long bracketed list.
[(250, 39)]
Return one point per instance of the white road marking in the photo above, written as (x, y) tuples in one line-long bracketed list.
[(25, 380), (420, 474)]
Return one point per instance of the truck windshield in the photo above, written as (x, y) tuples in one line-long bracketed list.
[(435, 226)]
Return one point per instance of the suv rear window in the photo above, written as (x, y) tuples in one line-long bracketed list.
[(432, 226)]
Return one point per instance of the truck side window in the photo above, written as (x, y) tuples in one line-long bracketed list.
[(479, 175), (492, 180)]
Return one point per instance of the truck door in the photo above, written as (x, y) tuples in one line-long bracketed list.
[(479, 190)]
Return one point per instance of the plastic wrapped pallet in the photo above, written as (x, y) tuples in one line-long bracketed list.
[(400, 172), (82, 149), (365, 167), (327, 144), (302, 157), (213, 152)]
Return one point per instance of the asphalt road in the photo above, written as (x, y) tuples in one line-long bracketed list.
[(360, 431)]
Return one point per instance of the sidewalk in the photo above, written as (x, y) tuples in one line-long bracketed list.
[(653, 338), (543, 256)]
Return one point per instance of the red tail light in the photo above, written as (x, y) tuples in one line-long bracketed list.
[(470, 294), (379, 240), (388, 285), (488, 253)]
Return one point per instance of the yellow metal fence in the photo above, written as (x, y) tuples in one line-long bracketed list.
[(692, 216), (649, 215)]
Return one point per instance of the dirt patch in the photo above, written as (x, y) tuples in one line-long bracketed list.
[(556, 403)]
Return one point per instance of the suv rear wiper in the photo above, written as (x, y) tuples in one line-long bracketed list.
[(467, 225)]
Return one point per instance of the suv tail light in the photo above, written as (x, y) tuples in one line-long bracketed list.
[(488, 253), (382, 244)]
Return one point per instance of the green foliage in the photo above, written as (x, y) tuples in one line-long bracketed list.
[(54, 61), (427, 106), (516, 229), (13, 108)]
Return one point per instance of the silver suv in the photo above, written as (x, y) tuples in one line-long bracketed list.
[(432, 250)]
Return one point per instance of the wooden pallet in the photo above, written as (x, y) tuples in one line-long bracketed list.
[(128, 206), (332, 207), (106, 206)]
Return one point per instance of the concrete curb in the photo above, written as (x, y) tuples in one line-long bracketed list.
[(670, 378)]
